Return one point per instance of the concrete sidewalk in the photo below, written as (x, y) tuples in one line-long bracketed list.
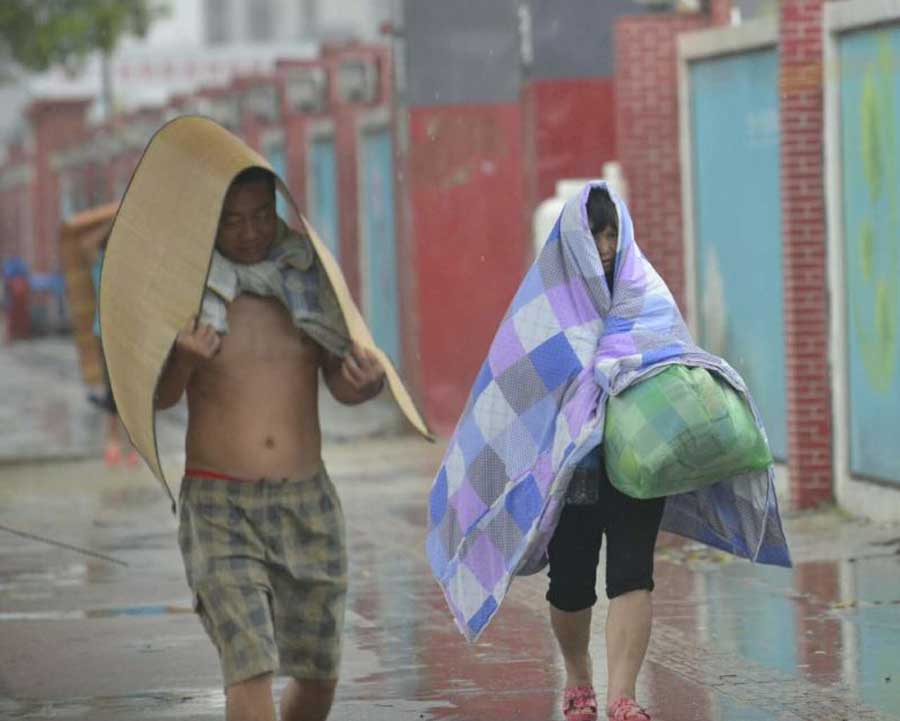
[(85, 638)]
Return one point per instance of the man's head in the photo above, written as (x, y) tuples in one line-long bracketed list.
[(249, 223), (604, 223)]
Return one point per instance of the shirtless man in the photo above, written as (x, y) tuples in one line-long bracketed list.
[(260, 526)]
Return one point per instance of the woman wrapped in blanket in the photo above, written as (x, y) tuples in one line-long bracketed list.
[(521, 484), (594, 508)]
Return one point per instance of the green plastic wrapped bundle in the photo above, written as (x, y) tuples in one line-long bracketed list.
[(679, 430)]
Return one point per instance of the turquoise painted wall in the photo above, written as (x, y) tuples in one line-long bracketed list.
[(275, 156), (379, 241), (870, 172), (737, 221), (324, 206)]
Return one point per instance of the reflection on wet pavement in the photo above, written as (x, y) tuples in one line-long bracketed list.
[(732, 641), (147, 610), (85, 639), (168, 704)]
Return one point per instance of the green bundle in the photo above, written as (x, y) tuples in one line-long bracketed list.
[(679, 430)]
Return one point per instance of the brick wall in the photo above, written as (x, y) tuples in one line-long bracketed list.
[(646, 92), (813, 582), (647, 143), (803, 233), (647, 132)]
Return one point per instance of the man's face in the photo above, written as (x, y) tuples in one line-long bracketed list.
[(607, 241), (248, 224)]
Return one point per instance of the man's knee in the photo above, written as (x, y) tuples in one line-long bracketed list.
[(307, 700)]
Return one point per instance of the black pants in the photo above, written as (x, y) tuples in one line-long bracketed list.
[(631, 526)]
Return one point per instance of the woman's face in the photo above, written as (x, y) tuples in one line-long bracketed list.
[(607, 241)]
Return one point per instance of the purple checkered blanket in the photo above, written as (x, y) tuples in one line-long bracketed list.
[(537, 408)]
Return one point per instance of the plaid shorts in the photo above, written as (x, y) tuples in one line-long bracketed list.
[(267, 563)]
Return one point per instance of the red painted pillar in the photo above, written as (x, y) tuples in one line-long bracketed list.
[(301, 109), (251, 124), (805, 282), (345, 114), (55, 124), (294, 123)]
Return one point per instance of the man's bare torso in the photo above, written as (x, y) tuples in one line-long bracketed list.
[(253, 408)]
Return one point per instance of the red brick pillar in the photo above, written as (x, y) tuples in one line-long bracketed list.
[(815, 583), (54, 124), (647, 131), (804, 235)]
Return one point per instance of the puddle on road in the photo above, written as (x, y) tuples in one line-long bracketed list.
[(171, 704), (91, 613), (828, 622), (833, 622)]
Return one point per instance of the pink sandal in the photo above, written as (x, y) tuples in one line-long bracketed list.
[(580, 704), (627, 709)]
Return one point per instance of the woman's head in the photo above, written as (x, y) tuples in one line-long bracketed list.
[(603, 220)]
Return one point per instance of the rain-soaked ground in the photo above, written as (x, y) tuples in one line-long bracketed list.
[(87, 638), (111, 637)]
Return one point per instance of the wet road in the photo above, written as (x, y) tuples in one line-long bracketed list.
[(84, 638), (45, 414)]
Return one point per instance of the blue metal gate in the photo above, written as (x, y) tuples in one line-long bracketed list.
[(323, 193), (737, 220), (275, 155), (870, 175), (379, 248)]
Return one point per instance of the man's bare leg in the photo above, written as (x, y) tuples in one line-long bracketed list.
[(573, 634), (113, 451), (307, 700), (250, 700), (628, 624)]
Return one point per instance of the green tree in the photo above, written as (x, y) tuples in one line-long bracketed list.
[(38, 34)]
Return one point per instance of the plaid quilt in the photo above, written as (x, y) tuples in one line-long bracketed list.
[(537, 409)]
